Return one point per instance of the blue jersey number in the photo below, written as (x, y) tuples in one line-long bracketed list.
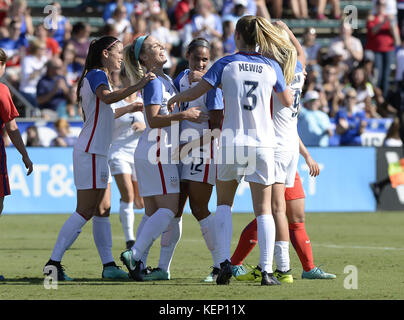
[(250, 94), (296, 103)]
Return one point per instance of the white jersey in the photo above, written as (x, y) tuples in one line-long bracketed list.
[(285, 118), (247, 81), (96, 135), (212, 100), (156, 92), (124, 138)]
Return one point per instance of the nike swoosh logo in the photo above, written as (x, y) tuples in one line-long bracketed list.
[(194, 173), (307, 241)]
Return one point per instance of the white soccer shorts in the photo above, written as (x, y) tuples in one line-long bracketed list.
[(255, 164), (286, 167), (120, 166)]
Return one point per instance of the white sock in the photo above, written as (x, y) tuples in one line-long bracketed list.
[(103, 238), (152, 229), (224, 230), (67, 235), (139, 230), (169, 239), (281, 254), (127, 217), (209, 234), (266, 241)]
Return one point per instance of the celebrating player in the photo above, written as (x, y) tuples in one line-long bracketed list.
[(158, 176), (8, 113), (90, 162), (247, 79)]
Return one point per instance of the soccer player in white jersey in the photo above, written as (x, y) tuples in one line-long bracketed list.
[(127, 131), (199, 175), (90, 163), (158, 176), (247, 79)]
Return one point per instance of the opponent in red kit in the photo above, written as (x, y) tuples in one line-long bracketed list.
[(8, 113)]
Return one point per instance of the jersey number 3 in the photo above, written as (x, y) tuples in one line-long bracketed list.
[(251, 85)]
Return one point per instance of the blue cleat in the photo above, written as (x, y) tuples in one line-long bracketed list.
[(238, 270), (317, 273), (114, 272), (134, 267), (157, 274)]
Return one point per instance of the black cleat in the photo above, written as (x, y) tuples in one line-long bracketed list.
[(62, 276), (134, 267), (225, 273), (268, 279), (376, 191), (130, 244)]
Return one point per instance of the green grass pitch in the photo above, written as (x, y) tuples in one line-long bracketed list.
[(372, 242)]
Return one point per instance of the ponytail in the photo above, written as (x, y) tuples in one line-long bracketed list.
[(132, 61)]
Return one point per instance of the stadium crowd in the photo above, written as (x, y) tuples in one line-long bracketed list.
[(348, 82)]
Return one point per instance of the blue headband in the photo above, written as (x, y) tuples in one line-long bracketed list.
[(138, 46)]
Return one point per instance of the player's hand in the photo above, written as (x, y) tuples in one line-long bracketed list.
[(28, 164), (195, 76), (196, 115), (171, 104), (138, 126), (135, 107), (314, 169), (146, 78)]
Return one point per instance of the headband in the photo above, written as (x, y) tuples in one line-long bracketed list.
[(137, 46), (112, 43)]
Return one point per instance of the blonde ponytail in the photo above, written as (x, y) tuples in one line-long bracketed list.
[(133, 68), (274, 42)]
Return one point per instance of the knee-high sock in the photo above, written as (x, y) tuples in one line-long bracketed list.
[(247, 242), (281, 254), (169, 239), (152, 229), (266, 241), (301, 242), (138, 232), (67, 235), (209, 234), (127, 217), (103, 238), (224, 230)]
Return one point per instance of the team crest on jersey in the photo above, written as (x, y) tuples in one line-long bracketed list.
[(174, 180), (104, 177)]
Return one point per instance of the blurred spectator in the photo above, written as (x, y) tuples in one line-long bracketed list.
[(229, 6), (332, 89), (182, 13), (111, 6), (276, 8), (121, 22), (147, 8), (63, 30), (216, 51), (381, 39), (400, 17), (52, 46), (32, 68), (14, 46), (351, 47), (314, 125), (205, 23), (159, 30), (139, 24), (368, 64), (299, 9), (111, 30), (392, 138), (229, 46), (81, 41), (335, 58), (54, 92), (18, 10), (364, 91), (33, 137), (64, 138), (335, 7), (4, 7), (239, 10), (73, 69), (350, 124), (400, 63), (310, 47)]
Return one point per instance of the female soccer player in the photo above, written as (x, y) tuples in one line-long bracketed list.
[(8, 113), (90, 162), (127, 131), (247, 79), (158, 176), (199, 175)]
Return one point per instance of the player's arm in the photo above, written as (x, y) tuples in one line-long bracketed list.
[(314, 168), (15, 137), (133, 107), (285, 97), (109, 97), (191, 94), (157, 120), (300, 53)]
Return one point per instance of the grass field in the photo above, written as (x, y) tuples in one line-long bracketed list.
[(372, 242)]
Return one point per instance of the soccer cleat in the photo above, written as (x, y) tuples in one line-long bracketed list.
[(284, 277), (157, 274), (130, 244), (62, 276), (212, 276), (114, 272), (317, 273), (238, 270), (253, 275), (225, 273), (134, 267), (268, 279), (1, 278)]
